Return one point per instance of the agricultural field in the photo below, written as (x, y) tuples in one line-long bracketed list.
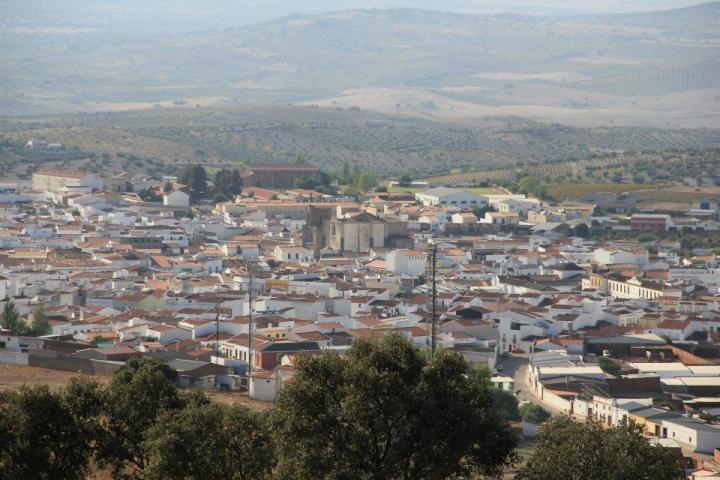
[(483, 190), (575, 191), (575, 169), (680, 194), (13, 377), (683, 177), (475, 190), (399, 189)]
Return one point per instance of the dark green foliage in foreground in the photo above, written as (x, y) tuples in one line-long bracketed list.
[(385, 412), (586, 451), (211, 441), (139, 393), (382, 412), (42, 436)]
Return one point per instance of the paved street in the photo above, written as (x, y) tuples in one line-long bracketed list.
[(516, 366)]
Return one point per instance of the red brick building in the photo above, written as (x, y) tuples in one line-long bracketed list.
[(277, 177), (650, 222)]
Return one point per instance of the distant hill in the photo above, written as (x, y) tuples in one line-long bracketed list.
[(657, 68), (704, 17), (160, 141)]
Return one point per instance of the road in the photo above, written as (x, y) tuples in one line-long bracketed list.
[(516, 366)]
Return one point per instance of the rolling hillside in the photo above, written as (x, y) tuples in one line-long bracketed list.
[(657, 68), (161, 141)]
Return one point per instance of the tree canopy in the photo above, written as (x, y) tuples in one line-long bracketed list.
[(533, 413), (587, 451), (385, 412), (138, 394), (355, 180), (318, 180), (42, 437), (405, 181), (228, 182), (210, 441), (11, 318), (40, 323), (608, 366), (195, 177)]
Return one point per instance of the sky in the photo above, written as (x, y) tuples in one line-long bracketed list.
[(168, 16)]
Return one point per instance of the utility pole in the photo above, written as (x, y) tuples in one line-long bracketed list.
[(251, 307), (217, 330), (433, 340)]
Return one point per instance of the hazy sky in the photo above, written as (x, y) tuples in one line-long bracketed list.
[(158, 16)]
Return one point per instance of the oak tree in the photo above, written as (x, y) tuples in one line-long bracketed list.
[(587, 451), (386, 412)]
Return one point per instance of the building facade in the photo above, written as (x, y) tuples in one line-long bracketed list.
[(277, 177), (451, 196), (52, 180)]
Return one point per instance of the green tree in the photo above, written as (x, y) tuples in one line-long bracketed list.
[(314, 181), (40, 323), (608, 366), (211, 441), (228, 182), (646, 237), (534, 413), (11, 319), (86, 400), (582, 230), (139, 393), (219, 198), (385, 412), (42, 437), (195, 177), (505, 404), (405, 181), (345, 176), (149, 195), (101, 339), (532, 185), (366, 181), (481, 371), (587, 451)]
